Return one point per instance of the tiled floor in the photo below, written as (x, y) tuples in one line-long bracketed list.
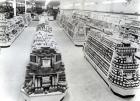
[(84, 82)]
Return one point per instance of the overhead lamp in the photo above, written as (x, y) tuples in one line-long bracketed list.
[(47, 1), (114, 1), (89, 3), (67, 6), (20, 3), (78, 4), (2, 0)]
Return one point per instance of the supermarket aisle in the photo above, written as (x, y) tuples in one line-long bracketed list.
[(84, 83), (13, 61)]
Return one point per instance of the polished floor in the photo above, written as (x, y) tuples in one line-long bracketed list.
[(84, 82)]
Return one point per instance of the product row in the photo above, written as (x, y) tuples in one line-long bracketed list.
[(114, 59), (10, 29), (74, 27)]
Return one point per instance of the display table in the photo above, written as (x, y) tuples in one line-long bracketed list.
[(45, 77)]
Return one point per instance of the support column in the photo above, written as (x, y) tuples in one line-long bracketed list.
[(14, 6), (83, 5), (25, 7)]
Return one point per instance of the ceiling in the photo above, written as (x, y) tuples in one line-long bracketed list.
[(57, 2), (54, 3), (43, 2)]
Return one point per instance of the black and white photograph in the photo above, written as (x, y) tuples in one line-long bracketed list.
[(70, 50)]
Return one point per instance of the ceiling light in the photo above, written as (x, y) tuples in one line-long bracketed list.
[(78, 4), (89, 3), (47, 1), (2, 0), (67, 6), (114, 1)]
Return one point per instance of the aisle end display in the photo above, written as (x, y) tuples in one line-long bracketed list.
[(115, 60)]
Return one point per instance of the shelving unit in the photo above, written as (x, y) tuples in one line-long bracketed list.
[(72, 20), (74, 27), (114, 59), (10, 29), (128, 25), (45, 74), (7, 9), (27, 19), (44, 27)]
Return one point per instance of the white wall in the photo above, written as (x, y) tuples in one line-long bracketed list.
[(66, 5)]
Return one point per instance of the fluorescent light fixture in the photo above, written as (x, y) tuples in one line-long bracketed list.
[(78, 4), (114, 1), (2, 0), (20, 3), (67, 6), (89, 3), (47, 1)]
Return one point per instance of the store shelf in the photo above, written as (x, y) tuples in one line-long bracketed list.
[(27, 19), (75, 42), (106, 53), (12, 29), (8, 44), (73, 26), (96, 68)]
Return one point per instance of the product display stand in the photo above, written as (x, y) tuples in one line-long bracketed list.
[(10, 29), (44, 27), (114, 58), (35, 17), (45, 78), (74, 27)]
